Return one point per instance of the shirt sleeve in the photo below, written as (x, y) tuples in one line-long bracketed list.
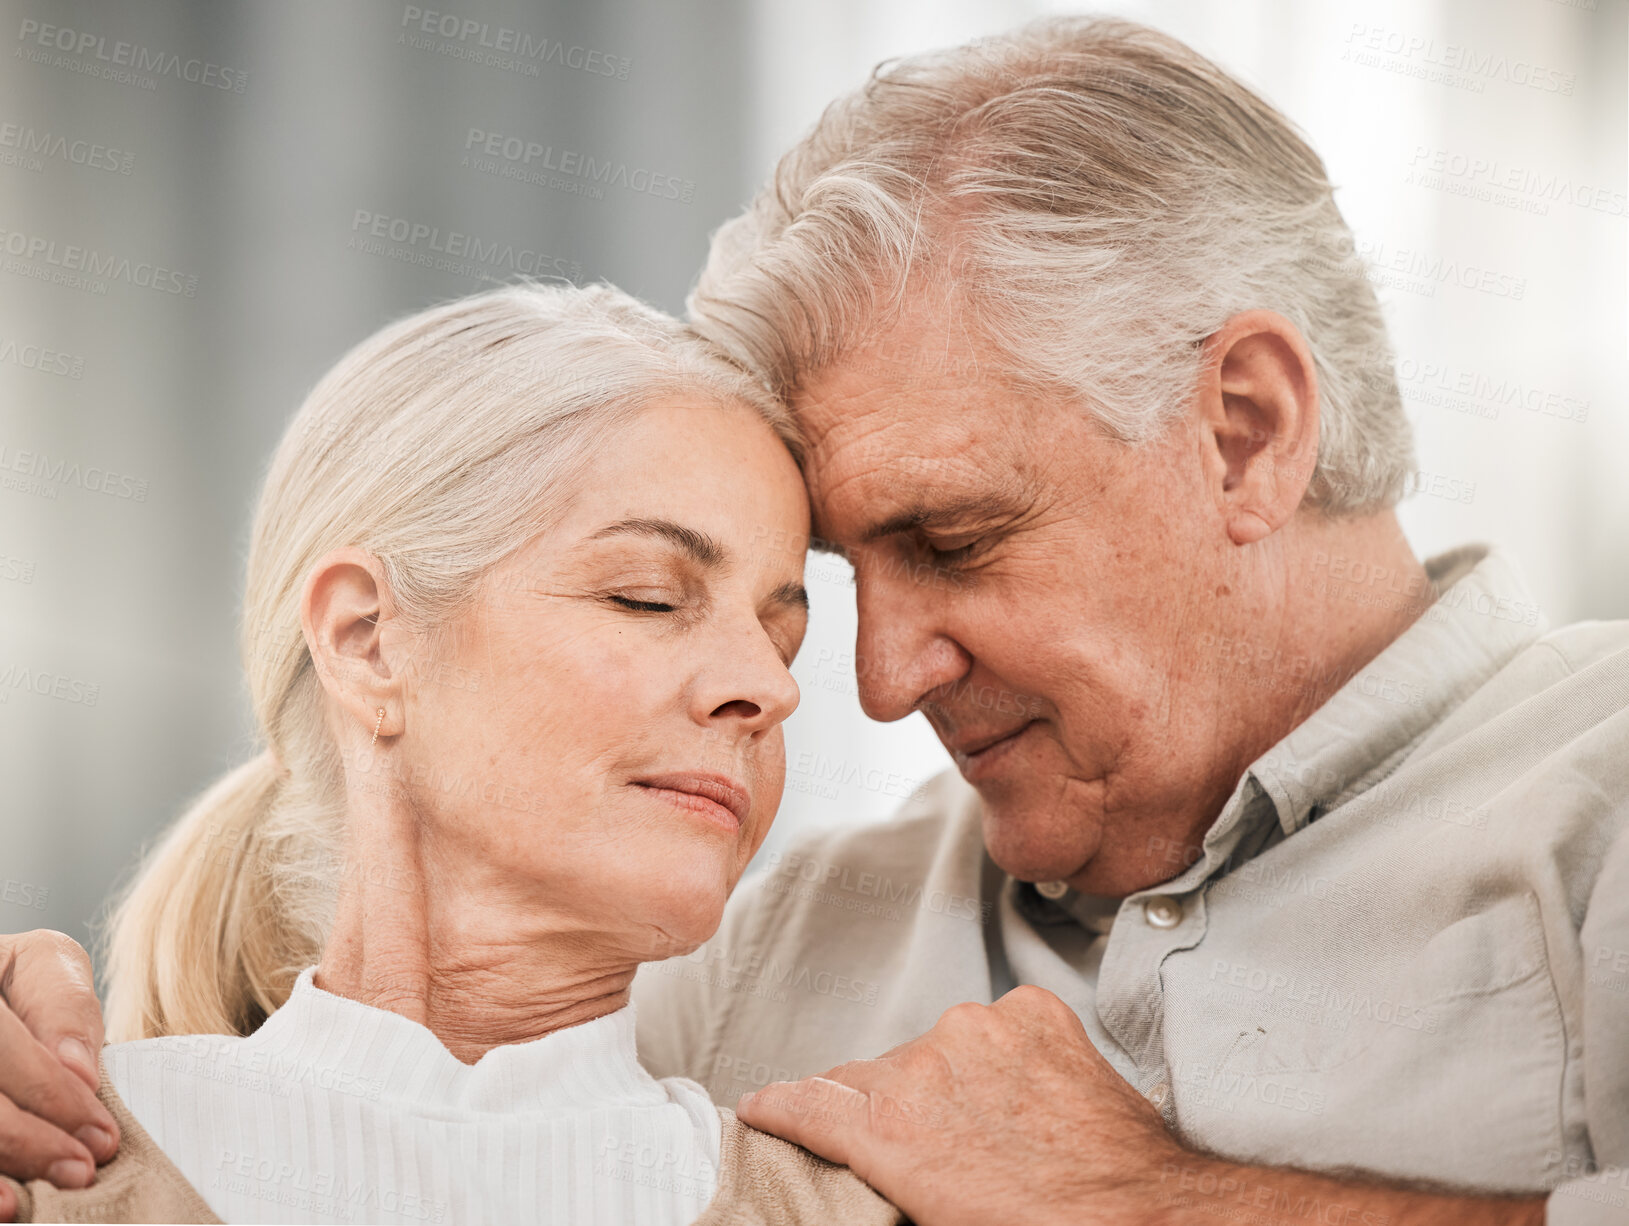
[(1602, 1196)]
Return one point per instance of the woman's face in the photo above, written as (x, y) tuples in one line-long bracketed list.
[(598, 738)]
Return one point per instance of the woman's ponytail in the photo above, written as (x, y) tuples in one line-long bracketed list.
[(194, 946)]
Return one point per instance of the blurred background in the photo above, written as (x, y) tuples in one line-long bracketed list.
[(202, 205)]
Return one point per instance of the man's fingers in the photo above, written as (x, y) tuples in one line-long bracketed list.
[(51, 1124), (46, 979), (8, 1204), (1037, 1004), (30, 1148), (38, 1084), (824, 1116)]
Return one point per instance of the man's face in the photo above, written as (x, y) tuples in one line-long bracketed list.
[(1038, 590)]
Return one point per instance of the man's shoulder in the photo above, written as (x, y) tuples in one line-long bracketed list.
[(1570, 681), (1583, 645)]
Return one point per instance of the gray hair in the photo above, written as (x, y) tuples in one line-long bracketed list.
[(1097, 199)]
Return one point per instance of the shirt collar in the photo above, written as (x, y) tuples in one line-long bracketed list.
[(1482, 617), (342, 1045)]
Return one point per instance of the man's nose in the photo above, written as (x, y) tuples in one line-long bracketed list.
[(901, 652)]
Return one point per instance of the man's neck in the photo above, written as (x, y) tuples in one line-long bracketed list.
[(1317, 615), (1351, 587)]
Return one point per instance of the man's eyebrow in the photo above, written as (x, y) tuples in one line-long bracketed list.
[(955, 510), (698, 545)]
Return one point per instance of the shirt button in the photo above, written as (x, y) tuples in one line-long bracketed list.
[(1163, 912), (1051, 889), (1159, 1094)]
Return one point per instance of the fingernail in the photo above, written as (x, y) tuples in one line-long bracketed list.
[(72, 1051), (744, 1099), (69, 1173), (98, 1140)]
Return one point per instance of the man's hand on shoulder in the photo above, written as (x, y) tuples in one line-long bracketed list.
[(1006, 1112), (999, 1113), (52, 1126)]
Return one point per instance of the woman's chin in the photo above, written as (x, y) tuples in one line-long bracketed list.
[(683, 913)]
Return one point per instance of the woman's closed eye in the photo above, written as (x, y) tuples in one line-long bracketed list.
[(639, 605)]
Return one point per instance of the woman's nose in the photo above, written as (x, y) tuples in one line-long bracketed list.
[(749, 690)]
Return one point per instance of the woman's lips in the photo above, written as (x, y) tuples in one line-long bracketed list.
[(719, 798)]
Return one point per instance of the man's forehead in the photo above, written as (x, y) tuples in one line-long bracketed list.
[(859, 425), (878, 400), (880, 451)]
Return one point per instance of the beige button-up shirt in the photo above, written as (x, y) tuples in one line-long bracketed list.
[(1403, 947)]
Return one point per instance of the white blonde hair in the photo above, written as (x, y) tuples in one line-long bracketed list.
[(440, 445), (1094, 198)]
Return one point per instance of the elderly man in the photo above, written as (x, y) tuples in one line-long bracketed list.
[(1294, 868)]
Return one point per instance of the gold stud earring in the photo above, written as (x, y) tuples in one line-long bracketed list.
[(378, 724)]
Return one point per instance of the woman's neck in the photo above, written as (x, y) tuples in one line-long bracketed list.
[(414, 935)]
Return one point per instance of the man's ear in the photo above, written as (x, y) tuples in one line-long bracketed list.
[(1258, 418), (346, 612)]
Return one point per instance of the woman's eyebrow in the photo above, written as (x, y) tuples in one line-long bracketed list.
[(698, 545), (793, 594)]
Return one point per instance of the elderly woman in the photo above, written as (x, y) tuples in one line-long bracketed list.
[(520, 658)]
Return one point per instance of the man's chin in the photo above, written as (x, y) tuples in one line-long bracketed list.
[(1036, 848)]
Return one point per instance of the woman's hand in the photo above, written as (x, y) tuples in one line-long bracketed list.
[(52, 1126)]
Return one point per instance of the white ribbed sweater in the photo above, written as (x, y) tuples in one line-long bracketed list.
[(334, 1111)]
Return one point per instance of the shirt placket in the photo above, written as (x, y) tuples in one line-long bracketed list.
[(1151, 925)]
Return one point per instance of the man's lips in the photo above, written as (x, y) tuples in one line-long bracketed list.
[(717, 796), (976, 755), (968, 746)]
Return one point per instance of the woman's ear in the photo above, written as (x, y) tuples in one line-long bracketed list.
[(346, 613), (1258, 407)]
